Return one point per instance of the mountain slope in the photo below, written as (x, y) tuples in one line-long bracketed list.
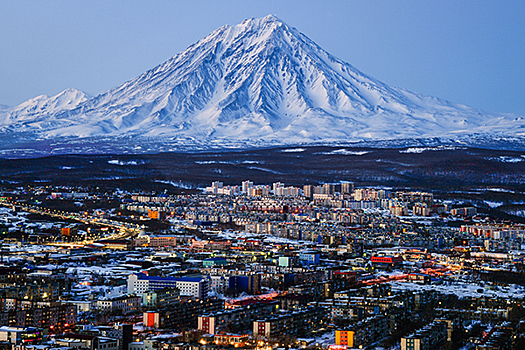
[(42, 107), (259, 82)]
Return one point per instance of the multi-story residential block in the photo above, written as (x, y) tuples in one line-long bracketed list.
[(296, 323), (188, 286), (236, 320), (125, 305), (309, 258), (58, 315), (465, 212), (183, 315), (250, 284), (160, 298), (218, 284), (347, 187), (421, 209), (427, 338), (247, 186), (363, 332)]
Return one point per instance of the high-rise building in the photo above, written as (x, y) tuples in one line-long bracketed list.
[(328, 189), (276, 185), (247, 186), (347, 187), (308, 191)]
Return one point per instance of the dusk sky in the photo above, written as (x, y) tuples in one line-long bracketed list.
[(469, 52)]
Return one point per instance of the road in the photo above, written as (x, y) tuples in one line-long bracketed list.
[(125, 229)]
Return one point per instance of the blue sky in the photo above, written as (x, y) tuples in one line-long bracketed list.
[(467, 51)]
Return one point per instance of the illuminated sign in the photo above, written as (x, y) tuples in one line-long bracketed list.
[(338, 347)]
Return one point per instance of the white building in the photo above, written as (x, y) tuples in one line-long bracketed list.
[(188, 286), (247, 186), (218, 284)]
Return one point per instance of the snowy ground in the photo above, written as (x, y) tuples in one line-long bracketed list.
[(464, 290)]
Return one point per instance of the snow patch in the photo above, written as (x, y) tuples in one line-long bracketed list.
[(504, 190), (345, 152), (122, 163), (264, 169), (425, 149), (494, 204), (293, 150), (507, 159)]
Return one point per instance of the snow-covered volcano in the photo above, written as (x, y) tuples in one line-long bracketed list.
[(259, 82)]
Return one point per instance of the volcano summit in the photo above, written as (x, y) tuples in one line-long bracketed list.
[(259, 83)]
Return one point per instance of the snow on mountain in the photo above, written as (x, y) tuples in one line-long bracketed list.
[(42, 106), (259, 82)]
